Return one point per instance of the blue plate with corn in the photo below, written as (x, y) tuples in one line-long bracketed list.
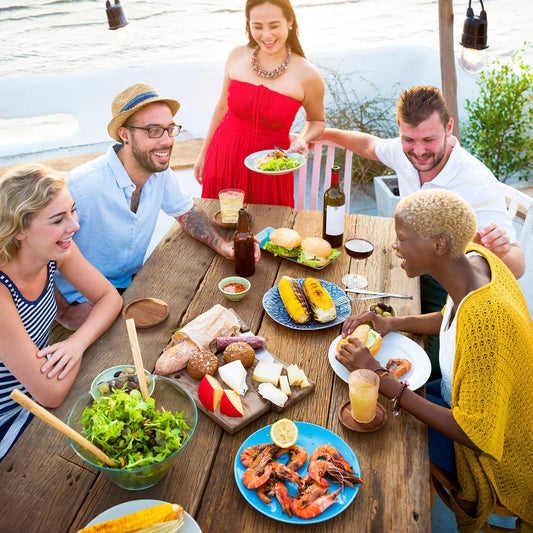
[(306, 303)]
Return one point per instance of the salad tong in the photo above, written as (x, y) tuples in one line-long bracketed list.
[(379, 294)]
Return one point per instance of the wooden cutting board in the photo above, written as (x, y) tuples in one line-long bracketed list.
[(146, 312), (254, 405)]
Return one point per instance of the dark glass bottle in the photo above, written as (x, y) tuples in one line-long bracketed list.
[(333, 218), (244, 247)]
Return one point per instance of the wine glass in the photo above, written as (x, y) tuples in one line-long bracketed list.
[(358, 245)]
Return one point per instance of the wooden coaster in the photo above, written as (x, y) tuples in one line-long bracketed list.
[(218, 221), (348, 421), (146, 312)]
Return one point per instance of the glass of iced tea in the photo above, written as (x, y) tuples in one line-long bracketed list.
[(364, 389), (231, 200), (358, 245)]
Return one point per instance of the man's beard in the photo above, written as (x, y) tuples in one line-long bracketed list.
[(436, 159), (146, 162)]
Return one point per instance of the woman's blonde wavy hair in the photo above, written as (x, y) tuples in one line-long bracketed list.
[(435, 212), (24, 191)]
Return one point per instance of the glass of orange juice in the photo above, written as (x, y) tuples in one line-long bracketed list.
[(231, 200), (364, 388)]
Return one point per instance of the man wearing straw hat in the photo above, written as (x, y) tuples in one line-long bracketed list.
[(119, 195)]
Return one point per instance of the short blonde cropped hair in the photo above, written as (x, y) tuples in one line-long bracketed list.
[(24, 191), (438, 212)]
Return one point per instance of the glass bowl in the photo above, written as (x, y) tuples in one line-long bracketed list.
[(168, 395), (234, 296)]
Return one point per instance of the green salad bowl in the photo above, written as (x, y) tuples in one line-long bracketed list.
[(168, 396)]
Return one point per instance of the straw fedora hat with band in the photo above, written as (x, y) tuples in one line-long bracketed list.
[(130, 101)]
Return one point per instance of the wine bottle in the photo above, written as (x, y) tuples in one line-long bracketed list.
[(333, 218), (244, 246)]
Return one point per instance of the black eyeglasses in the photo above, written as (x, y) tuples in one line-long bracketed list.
[(155, 132)]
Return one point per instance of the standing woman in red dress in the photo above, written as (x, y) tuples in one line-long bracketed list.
[(265, 83)]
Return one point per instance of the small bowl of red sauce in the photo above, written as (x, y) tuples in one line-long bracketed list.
[(234, 288)]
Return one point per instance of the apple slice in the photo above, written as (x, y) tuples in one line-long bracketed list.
[(230, 403), (210, 391)]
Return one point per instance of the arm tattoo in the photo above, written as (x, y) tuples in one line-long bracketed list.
[(198, 226)]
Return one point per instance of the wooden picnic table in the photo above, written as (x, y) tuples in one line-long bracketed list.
[(45, 486)]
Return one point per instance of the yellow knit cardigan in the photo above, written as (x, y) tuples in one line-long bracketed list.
[(492, 399)]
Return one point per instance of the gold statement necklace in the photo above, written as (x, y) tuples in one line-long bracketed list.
[(269, 74)]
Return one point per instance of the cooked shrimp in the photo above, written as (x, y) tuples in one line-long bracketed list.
[(320, 468), (276, 488), (303, 508), (398, 367), (330, 453), (249, 454), (297, 457), (284, 473), (260, 470)]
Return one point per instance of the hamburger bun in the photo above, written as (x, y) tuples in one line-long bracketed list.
[(370, 338), (285, 237), (316, 250)]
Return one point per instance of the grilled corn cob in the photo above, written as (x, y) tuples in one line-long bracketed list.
[(294, 300), (164, 512), (319, 300)]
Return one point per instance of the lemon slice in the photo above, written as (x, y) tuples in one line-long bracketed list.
[(284, 433)]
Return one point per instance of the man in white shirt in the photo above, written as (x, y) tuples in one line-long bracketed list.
[(427, 155)]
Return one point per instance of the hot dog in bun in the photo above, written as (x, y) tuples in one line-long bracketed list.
[(284, 242), (370, 338)]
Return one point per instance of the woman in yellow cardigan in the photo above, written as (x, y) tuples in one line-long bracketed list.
[(485, 410)]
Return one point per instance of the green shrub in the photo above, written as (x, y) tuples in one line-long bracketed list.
[(348, 110), (500, 122)]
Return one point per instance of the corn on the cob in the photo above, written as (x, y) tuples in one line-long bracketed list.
[(294, 300), (320, 300), (163, 512)]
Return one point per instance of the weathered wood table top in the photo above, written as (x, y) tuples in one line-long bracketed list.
[(45, 487)]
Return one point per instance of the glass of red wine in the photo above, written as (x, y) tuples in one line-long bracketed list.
[(358, 245)]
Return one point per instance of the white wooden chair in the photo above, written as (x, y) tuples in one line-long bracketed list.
[(318, 173), (520, 206)]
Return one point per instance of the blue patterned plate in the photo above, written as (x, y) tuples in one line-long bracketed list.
[(310, 436), (276, 310)]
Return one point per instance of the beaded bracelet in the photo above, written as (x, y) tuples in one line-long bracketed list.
[(396, 400)]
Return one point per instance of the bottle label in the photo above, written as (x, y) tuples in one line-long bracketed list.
[(334, 220)]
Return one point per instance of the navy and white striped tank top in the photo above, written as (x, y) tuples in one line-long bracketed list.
[(37, 317)]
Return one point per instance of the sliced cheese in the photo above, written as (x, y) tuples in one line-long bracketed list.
[(234, 376), (305, 382), (273, 394), (267, 372), (284, 385), (293, 373)]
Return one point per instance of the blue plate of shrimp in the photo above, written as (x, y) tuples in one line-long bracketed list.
[(310, 437)]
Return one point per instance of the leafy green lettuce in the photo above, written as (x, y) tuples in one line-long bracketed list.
[(313, 261), (275, 164), (130, 429), (280, 250)]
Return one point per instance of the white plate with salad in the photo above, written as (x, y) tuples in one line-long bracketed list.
[(274, 162)]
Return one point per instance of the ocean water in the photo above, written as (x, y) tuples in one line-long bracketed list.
[(44, 37)]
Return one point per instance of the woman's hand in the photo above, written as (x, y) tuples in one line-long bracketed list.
[(355, 355), (64, 357), (381, 324), (299, 147), (199, 168)]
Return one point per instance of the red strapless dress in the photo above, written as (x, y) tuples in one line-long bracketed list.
[(257, 119)]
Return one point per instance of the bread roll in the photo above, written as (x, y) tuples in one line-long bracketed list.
[(202, 363), (370, 338), (239, 351)]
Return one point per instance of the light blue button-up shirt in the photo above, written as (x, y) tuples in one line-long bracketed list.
[(112, 237)]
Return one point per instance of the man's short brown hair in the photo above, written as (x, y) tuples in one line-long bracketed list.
[(419, 103)]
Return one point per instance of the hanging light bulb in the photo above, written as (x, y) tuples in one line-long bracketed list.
[(473, 51), (118, 23)]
